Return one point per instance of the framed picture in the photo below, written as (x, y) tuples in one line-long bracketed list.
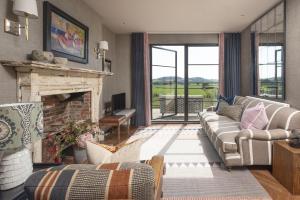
[(106, 66), (64, 35)]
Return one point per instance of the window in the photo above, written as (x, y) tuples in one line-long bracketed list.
[(270, 71), (267, 54)]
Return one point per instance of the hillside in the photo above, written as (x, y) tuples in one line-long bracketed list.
[(180, 80)]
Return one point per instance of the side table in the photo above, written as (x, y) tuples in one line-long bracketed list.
[(286, 164), (118, 119)]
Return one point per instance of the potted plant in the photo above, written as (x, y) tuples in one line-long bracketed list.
[(75, 135)]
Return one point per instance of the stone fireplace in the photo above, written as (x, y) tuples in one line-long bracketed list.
[(61, 89)]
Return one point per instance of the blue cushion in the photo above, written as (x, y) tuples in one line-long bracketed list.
[(229, 100)]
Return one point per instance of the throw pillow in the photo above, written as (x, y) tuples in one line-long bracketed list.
[(100, 153), (255, 118), (229, 100), (221, 105), (234, 112)]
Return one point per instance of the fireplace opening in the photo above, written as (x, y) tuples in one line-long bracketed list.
[(59, 111)]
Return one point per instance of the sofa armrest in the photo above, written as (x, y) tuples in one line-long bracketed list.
[(267, 135), (157, 164)]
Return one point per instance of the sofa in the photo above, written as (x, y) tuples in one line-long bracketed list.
[(127, 180), (248, 147)]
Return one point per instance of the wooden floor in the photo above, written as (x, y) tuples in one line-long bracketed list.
[(272, 186), (264, 176), (112, 139)]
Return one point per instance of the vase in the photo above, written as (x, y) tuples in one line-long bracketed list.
[(79, 154)]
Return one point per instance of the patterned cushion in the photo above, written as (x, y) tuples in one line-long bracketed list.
[(234, 112), (254, 118)]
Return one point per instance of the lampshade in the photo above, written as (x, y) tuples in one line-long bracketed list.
[(25, 8), (103, 45), (21, 124)]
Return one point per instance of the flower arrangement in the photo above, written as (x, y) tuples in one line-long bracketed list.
[(74, 133)]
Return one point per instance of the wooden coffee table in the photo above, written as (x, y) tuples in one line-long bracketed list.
[(117, 121)]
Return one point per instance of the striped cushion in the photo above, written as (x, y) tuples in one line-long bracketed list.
[(223, 134), (126, 181), (211, 117)]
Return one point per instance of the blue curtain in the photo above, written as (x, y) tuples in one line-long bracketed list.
[(140, 78), (253, 63), (232, 63)]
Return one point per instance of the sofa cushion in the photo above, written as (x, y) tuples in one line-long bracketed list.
[(284, 118), (255, 117), (223, 134), (211, 117), (239, 100)]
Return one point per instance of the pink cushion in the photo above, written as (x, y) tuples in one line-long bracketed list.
[(254, 118)]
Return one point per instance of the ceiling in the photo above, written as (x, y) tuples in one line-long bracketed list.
[(179, 16)]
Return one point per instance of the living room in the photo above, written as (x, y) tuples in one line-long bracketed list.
[(149, 99)]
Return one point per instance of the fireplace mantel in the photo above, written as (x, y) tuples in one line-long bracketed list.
[(37, 79)]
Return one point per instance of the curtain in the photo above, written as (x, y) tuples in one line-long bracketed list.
[(221, 64), (254, 62), (232, 63), (141, 79)]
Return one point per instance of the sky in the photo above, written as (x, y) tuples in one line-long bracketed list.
[(204, 55), (208, 55)]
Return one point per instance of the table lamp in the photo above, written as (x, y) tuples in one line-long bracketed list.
[(21, 124)]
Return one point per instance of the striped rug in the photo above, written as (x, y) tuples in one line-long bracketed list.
[(193, 167)]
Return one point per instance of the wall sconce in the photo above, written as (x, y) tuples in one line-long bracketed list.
[(101, 48), (23, 8)]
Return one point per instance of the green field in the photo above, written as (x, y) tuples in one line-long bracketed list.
[(209, 91)]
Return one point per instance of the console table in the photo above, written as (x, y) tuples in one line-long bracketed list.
[(120, 118)]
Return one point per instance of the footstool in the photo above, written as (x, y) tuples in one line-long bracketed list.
[(128, 180)]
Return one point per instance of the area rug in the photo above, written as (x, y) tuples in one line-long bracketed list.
[(193, 168)]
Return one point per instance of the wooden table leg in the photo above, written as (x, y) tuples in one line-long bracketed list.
[(128, 127), (119, 134)]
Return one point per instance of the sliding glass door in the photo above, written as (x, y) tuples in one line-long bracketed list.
[(203, 79), (184, 81)]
